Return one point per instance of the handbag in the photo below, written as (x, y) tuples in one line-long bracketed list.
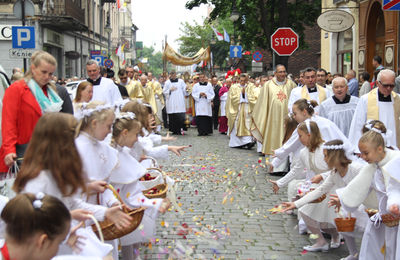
[(7, 182)]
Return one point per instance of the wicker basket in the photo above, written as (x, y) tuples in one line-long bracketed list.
[(154, 172), (108, 228), (163, 194), (389, 220), (345, 224), (371, 212), (320, 199)]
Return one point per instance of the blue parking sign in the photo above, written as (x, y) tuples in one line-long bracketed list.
[(99, 59), (23, 37)]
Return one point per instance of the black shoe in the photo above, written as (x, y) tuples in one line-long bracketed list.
[(250, 145), (277, 173)]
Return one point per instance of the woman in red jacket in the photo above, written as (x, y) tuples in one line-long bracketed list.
[(23, 104)]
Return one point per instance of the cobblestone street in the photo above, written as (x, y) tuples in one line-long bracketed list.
[(225, 198)]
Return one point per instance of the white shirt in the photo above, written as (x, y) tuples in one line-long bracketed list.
[(106, 92)]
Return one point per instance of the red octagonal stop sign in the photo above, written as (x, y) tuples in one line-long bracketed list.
[(284, 41)]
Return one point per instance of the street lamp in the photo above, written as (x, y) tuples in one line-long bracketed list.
[(234, 15), (108, 30)]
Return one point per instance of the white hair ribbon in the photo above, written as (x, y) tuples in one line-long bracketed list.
[(87, 112), (376, 130), (307, 122), (126, 115), (37, 203)]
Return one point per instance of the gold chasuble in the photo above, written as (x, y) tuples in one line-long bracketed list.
[(156, 86), (321, 93), (269, 114), (134, 89), (240, 113), (373, 110), (149, 96)]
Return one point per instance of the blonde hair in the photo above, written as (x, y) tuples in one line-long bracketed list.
[(374, 124), (37, 58), (304, 104), (120, 124), (315, 135), (374, 138), (140, 110), (99, 115)]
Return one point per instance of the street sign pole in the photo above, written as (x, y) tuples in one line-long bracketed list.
[(23, 24)]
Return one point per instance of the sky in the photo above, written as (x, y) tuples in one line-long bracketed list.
[(157, 18)]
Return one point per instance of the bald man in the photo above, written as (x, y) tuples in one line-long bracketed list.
[(340, 107)]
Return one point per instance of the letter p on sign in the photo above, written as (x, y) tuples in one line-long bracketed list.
[(23, 37)]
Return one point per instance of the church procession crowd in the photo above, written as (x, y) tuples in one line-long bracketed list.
[(71, 162)]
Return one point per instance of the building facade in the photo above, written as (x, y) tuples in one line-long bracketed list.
[(69, 30)]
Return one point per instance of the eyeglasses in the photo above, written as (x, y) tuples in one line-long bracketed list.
[(386, 85)]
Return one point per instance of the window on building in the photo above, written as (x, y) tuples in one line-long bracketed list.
[(344, 52)]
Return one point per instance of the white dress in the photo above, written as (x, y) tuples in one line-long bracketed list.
[(303, 169), (45, 183), (339, 113), (320, 211), (369, 187), (329, 131), (234, 140), (125, 179), (386, 115), (175, 99), (106, 92), (203, 105)]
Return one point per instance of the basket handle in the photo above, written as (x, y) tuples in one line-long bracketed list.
[(153, 160), (161, 171), (116, 194), (98, 227)]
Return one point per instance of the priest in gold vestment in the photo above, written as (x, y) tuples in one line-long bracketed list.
[(270, 111), (239, 105), (134, 89), (158, 95)]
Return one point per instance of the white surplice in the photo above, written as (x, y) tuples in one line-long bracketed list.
[(296, 95), (223, 99), (369, 187), (175, 99), (106, 92), (340, 114), (386, 116), (203, 104)]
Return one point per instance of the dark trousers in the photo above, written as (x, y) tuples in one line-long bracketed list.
[(176, 122), (215, 112), (204, 125), (165, 117)]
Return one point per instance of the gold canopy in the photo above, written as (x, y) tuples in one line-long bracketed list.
[(178, 59)]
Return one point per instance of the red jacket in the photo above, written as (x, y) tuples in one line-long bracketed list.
[(20, 114)]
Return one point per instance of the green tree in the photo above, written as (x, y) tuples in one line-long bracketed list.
[(154, 60), (258, 19), (198, 36)]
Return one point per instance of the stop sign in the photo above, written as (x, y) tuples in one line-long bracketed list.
[(284, 41)]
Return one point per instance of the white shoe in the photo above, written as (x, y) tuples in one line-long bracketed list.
[(335, 244), (311, 248)]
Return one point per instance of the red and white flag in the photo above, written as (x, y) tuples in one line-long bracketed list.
[(219, 35)]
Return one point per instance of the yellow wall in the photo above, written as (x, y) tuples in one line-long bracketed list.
[(326, 41)]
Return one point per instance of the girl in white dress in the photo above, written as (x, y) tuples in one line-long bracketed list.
[(370, 188), (52, 165), (35, 227), (343, 170), (147, 140), (302, 110), (308, 163), (98, 159), (125, 179)]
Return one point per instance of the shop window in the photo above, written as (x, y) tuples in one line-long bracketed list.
[(344, 52)]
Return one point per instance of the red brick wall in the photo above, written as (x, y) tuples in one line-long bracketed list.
[(302, 58)]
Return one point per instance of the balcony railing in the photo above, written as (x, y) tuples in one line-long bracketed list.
[(63, 14)]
